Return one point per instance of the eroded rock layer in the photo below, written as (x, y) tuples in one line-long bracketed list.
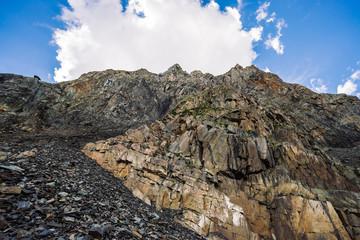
[(253, 160)]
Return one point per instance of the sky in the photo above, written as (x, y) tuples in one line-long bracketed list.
[(314, 43)]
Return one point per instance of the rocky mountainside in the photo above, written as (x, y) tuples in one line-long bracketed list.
[(51, 190), (97, 102), (243, 155)]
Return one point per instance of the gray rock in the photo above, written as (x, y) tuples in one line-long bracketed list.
[(12, 167), (24, 205), (97, 232)]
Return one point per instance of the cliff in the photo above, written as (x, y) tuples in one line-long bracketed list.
[(244, 155)]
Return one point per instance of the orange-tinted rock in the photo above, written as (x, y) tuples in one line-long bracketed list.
[(204, 171), (243, 168)]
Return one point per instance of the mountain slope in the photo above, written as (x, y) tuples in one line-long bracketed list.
[(245, 155)]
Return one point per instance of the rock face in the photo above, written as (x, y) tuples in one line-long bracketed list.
[(250, 161), (98, 102), (244, 155)]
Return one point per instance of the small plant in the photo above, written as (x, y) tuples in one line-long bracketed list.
[(189, 163), (222, 123), (204, 107), (299, 131), (274, 143)]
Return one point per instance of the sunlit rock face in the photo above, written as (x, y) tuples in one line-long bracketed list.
[(250, 158), (243, 155)]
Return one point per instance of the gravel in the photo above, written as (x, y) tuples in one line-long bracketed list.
[(50, 190)]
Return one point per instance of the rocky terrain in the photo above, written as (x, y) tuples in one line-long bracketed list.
[(98, 102), (50, 190), (242, 155)]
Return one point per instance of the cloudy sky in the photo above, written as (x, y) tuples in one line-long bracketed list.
[(311, 42)]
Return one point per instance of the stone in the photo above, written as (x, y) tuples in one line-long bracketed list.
[(137, 234), (24, 205), (12, 167), (53, 225), (46, 232), (69, 219), (307, 218), (10, 189), (3, 222), (97, 232), (27, 154), (4, 155), (63, 194)]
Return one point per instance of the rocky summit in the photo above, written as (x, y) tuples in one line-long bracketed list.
[(122, 155)]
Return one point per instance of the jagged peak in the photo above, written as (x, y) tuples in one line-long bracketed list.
[(196, 73), (176, 68), (252, 68), (237, 67)]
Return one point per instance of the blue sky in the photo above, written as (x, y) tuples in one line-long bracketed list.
[(320, 39)]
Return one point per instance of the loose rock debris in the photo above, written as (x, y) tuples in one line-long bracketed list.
[(51, 190)]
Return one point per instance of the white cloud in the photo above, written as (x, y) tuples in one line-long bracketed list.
[(274, 42), (317, 85), (240, 4), (266, 69), (348, 88), (302, 73), (271, 18), (355, 75), (262, 11), (255, 33), (279, 25), (153, 34)]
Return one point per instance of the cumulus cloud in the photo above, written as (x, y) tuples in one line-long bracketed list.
[(349, 87), (274, 42), (262, 11), (318, 85), (152, 34)]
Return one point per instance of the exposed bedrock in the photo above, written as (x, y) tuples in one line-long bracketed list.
[(237, 170), (243, 155)]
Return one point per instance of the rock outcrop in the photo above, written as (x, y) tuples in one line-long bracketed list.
[(98, 102), (250, 161), (243, 155)]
